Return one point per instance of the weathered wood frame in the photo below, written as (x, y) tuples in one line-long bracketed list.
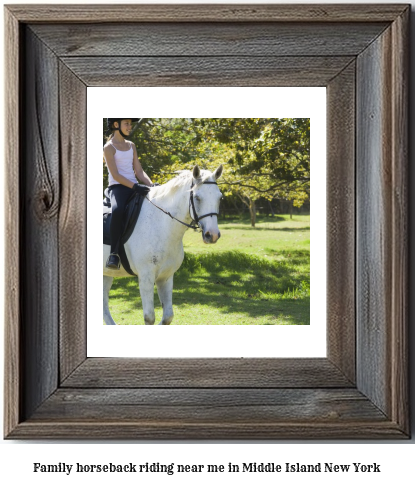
[(359, 52)]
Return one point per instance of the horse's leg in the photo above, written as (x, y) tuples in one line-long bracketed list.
[(165, 291), (107, 287), (147, 298)]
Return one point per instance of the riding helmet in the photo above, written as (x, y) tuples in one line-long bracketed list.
[(111, 121)]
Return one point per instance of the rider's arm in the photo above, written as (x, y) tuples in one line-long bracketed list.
[(109, 158), (139, 172)]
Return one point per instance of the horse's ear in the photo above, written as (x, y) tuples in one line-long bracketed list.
[(196, 172), (218, 172)]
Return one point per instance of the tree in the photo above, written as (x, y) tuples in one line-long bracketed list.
[(268, 157), (263, 157)]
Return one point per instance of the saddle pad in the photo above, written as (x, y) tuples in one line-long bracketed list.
[(131, 214)]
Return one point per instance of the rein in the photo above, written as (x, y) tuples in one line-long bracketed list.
[(195, 218)]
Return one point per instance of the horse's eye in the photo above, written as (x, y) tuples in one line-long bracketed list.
[(197, 198)]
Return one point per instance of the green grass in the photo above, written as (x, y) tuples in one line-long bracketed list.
[(251, 276)]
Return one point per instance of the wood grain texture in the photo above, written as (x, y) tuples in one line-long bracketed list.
[(209, 405), (188, 430), (341, 237), (72, 222), (41, 177), (12, 208), (198, 39), (400, 263), (374, 221), (206, 373), (207, 399), (382, 222), (206, 71), (206, 13)]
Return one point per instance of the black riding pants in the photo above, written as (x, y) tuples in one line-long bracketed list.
[(119, 195)]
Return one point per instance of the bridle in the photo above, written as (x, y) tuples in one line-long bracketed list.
[(195, 217)]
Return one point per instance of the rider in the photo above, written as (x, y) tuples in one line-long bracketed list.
[(123, 170)]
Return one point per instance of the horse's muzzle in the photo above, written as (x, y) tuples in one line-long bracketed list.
[(210, 237)]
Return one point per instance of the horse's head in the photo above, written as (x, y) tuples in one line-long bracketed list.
[(205, 206)]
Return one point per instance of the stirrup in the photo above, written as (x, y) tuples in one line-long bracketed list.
[(113, 265)]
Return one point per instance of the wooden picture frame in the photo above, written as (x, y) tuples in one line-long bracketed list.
[(360, 53)]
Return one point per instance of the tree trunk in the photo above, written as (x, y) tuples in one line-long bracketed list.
[(250, 203), (252, 211), (239, 211), (272, 210), (291, 209)]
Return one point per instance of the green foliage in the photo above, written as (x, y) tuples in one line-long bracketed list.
[(262, 157)]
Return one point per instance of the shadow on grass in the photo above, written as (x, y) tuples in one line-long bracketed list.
[(246, 219), (234, 282), (277, 229), (262, 219)]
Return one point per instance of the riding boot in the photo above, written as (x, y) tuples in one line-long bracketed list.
[(113, 261), (119, 196)]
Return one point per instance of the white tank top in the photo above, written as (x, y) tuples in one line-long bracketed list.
[(124, 162)]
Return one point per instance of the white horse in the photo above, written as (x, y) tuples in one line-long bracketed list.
[(155, 248)]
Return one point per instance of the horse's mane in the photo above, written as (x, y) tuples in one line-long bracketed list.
[(184, 179)]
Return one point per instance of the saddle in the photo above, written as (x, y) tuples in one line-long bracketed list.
[(131, 214)]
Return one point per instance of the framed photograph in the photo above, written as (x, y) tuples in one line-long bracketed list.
[(254, 281), (358, 389)]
